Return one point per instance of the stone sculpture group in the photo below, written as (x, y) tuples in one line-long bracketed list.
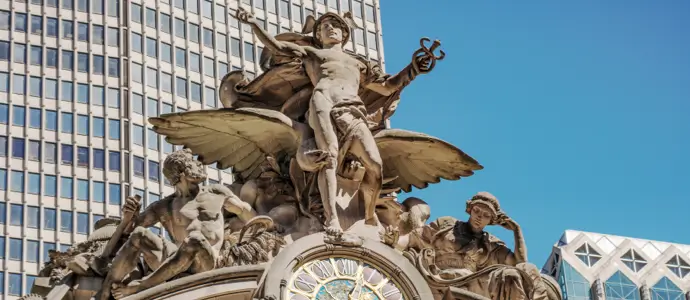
[(310, 151)]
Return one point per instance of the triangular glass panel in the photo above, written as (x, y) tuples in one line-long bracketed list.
[(614, 290), (627, 292), (683, 263), (583, 258), (593, 252), (668, 284), (637, 256), (593, 260), (620, 287), (684, 272), (582, 249), (665, 289), (673, 261), (628, 255), (639, 265), (615, 278)]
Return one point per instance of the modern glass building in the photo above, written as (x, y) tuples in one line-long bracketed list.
[(79, 78), (599, 266)]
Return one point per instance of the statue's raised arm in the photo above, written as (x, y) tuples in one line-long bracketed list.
[(423, 61), (271, 43)]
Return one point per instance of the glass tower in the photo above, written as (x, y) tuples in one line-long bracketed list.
[(592, 265), (79, 78)]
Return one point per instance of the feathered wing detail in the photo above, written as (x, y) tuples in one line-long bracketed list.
[(308, 26), (416, 159), (237, 138)]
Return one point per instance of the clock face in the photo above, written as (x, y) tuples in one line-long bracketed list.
[(339, 278)]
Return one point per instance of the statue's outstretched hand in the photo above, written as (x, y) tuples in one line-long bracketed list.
[(422, 63), (390, 236), (244, 16), (131, 207), (424, 59)]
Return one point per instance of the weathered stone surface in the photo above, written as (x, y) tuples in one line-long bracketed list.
[(313, 211), (453, 253)]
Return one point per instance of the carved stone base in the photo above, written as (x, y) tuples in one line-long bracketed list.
[(347, 239), (366, 231)]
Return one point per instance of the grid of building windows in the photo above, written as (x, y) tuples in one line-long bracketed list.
[(78, 79)]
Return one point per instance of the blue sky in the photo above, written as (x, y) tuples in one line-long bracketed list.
[(578, 110)]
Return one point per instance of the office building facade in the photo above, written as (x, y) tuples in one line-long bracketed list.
[(79, 78), (599, 266)]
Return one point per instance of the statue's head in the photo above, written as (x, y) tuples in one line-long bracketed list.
[(331, 29), (418, 211), (181, 166), (484, 210)]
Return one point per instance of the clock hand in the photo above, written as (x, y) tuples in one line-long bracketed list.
[(325, 287), (356, 290), (367, 296)]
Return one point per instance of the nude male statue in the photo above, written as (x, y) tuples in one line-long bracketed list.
[(193, 216), (336, 111)]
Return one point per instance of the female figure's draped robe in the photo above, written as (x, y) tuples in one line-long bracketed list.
[(457, 247)]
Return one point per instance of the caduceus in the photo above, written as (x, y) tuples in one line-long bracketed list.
[(428, 53)]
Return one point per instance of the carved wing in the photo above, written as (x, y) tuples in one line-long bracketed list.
[(238, 138), (417, 159)]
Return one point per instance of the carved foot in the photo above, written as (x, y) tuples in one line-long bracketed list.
[(120, 290), (373, 221), (334, 229)]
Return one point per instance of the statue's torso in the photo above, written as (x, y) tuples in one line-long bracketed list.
[(453, 250), (334, 72), (450, 255), (203, 213)]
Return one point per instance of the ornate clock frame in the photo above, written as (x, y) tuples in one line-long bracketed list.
[(310, 248)]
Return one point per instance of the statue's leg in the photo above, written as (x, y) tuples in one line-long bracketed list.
[(539, 285), (204, 257), (195, 244), (507, 284), (365, 148), (327, 143), (141, 242)]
